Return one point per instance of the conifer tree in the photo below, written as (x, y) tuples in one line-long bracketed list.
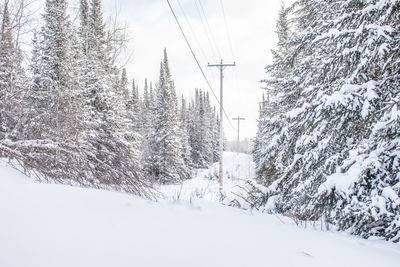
[(54, 74), (215, 136), (270, 124), (169, 164), (11, 77), (134, 107), (335, 99), (184, 128), (84, 26), (149, 132), (195, 131)]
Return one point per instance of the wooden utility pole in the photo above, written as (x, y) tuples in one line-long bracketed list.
[(238, 119), (221, 67)]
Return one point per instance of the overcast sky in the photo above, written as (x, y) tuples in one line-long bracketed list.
[(251, 25)]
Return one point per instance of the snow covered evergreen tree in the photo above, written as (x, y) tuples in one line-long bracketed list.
[(195, 131), (184, 132), (134, 107), (169, 165), (329, 149), (215, 134), (266, 152), (12, 78), (53, 87), (203, 130), (149, 132)]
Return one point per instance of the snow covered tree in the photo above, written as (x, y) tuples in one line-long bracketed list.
[(215, 136), (134, 106), (330, 145), (54, 75), (84, 26), (145, 108), (12, 78), (75, 129), (194, 131), (184, 128), (169, 165), (266, 152), (203, 130), (148, 131)]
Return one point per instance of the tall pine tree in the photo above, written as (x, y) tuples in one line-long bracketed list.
[(169, 166)]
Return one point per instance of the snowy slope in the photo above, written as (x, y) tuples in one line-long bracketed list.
[(45, 225), (238, 168), (11, 176)]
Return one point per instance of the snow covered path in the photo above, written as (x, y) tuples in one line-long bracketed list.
[(44, 225)]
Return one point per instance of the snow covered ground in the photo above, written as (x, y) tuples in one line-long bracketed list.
[(47, 225), (238, 168)]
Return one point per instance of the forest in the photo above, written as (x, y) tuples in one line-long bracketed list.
[(74, 116), (87, 148)]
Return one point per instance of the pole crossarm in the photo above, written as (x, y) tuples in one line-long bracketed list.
[(238, 118), (222, 65)]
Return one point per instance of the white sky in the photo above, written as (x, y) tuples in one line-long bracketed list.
[(251, 25)]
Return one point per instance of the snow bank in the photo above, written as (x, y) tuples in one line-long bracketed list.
[(10, 175), (47, 225)]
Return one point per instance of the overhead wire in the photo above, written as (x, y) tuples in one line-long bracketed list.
[(198, 64), (203, 11), (210, 37), (227, 30), (191, 29), (195, 36), (209, 28), (229, 41), (210, 43)]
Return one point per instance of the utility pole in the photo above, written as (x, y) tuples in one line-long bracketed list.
[(238, 119), (221, 67)]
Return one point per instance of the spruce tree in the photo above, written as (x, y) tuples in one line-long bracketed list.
[(337, 109), (12, 78), (134, 107), (149, 132), (184, 133), (169, 164), (54, 74)]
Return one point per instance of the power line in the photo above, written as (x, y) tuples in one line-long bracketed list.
[(229, 41), (191, 29), (195, 36), (205, 29), (227, 29), (207, 35), (195, 58), (209, 28)]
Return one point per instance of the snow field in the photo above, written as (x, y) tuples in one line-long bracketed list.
[(47, 225)]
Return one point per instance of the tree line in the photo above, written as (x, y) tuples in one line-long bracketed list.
[(73, 116)]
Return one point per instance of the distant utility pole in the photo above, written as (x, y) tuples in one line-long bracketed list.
[(221, 67), (238, 119)]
